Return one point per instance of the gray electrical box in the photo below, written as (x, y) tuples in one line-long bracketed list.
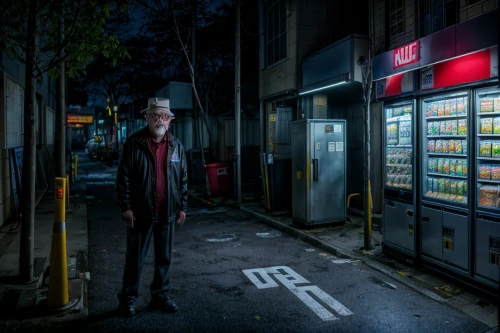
[(318, 171)]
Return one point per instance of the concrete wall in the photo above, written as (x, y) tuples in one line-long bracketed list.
[(482, 7), (353, 114), (5, 187), (50, 121), (466, 12), (14, 104), (306, 33), (12, 112), (379, 16), (11, 122)]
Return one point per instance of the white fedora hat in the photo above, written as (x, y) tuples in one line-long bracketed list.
[(159, 103)]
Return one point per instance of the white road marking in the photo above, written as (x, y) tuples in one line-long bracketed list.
[(290, 279), (221, 238), (269, 234), (344, 261), (269, 282), (390, 285)]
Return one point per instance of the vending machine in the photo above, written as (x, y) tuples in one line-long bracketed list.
[(399, 199), (445, 180), (318, 171), (487, 185)]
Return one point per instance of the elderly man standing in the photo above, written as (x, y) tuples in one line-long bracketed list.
[(151, 189)]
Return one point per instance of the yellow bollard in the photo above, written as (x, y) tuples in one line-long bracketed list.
[(369, 210), (58, 296)]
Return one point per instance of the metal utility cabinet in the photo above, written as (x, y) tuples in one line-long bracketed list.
[(318, 171)]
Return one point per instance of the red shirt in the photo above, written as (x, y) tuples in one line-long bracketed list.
[(159, 150)]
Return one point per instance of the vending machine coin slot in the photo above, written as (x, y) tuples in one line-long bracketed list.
[(410, 230), (495, 258), (495, 251), (448, 238)]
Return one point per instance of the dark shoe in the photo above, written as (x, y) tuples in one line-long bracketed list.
[(126, 309), (164, 303)]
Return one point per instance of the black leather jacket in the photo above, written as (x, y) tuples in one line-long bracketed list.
[(136, 180)]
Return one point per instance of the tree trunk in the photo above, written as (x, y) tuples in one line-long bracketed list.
[(367, 197), (199, 120), (29, 157), (237, 102), (60, 135)]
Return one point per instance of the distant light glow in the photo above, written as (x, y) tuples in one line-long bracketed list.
[(322, 88)]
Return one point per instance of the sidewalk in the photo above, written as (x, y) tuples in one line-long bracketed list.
[(347, 242), (24, 305)]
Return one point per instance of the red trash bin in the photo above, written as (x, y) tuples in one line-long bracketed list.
[(217, 178)]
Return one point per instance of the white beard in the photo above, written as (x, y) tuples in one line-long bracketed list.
[(159, 132)]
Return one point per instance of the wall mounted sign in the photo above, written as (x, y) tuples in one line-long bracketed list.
[(83, 119), (406, 54), (470, 68)]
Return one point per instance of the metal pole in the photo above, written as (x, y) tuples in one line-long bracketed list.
[(26, 253), (237, 107), (498, 76), (60, 134), (262, 128)]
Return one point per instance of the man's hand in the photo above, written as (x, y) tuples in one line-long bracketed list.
[(128, 217), (182, 218)]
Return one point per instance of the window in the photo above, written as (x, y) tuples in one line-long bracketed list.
[(450, 13), (436, 15), (471, 2), (275, 20), (283, 137), (397, 18)]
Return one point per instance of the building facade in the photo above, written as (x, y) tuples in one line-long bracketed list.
[(436, 74), (309, 70), (12, 130)]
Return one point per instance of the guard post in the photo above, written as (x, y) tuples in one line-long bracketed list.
[(58, 294)]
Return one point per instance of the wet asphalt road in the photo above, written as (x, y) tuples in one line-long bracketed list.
[(212, 253)]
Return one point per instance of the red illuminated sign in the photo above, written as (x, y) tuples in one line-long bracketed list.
[(59, 193), (469, 68), (405, 55)]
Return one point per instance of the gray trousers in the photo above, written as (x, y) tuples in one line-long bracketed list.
[(138, 239)]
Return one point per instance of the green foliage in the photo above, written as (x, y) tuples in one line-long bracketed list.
[(84, 34)]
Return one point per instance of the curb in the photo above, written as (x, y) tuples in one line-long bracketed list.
[(208, 202), (343, 253)]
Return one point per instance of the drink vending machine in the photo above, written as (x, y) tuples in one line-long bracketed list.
[(487, 186), (445, 180), (399, 176)]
